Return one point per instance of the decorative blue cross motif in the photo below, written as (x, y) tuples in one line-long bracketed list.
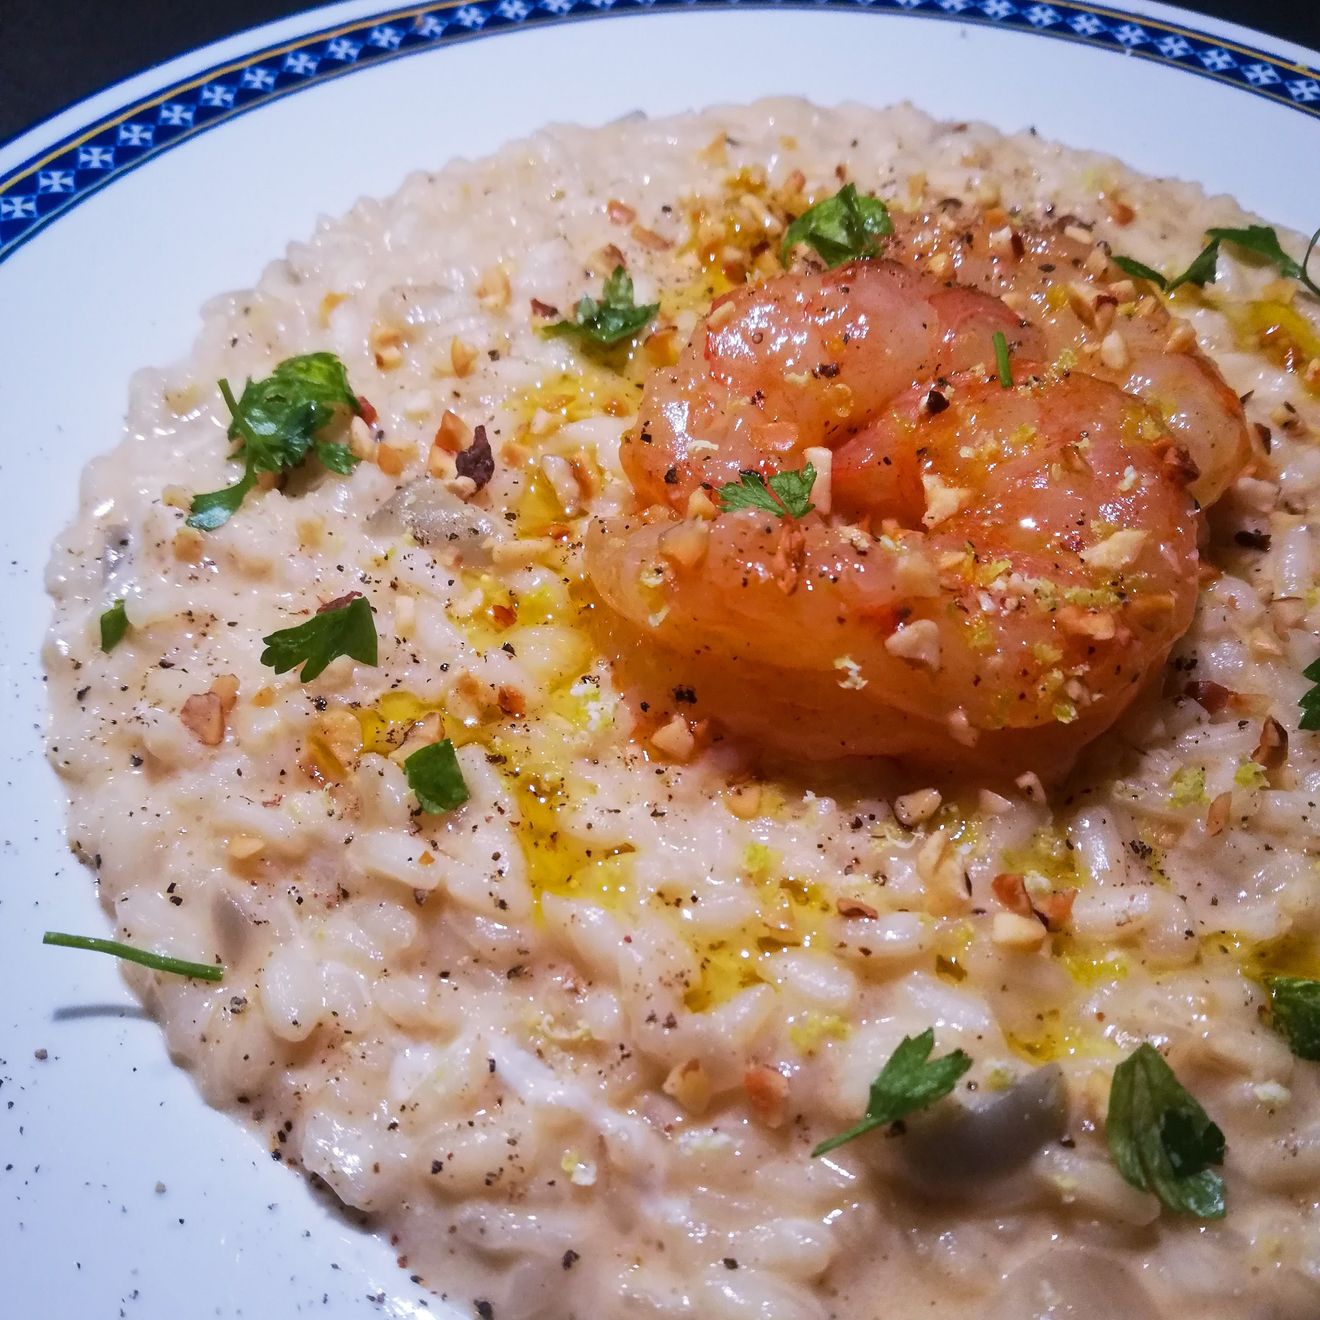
[(34, 193)]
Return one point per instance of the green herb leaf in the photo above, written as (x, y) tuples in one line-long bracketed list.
[(616, 317), (338, 458), (435, 776), (275, 423), (842, 228), (215, 508), (1139, 270), (1201, 272), (1002, 363), (1295, 1004), (341, 630), (1161, 1139), (114, 624), (1264, 242), (910, 1080), (1309, 701), (787, 494), (158, 961)]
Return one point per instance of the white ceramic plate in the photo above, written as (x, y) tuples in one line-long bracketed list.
[(121, 1192)]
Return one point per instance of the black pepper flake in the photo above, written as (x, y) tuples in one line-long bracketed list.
[(437, 1165), (1252, 539), (685, 695), (570, 1259), (671, 477), (730, 1263), (936, 402), (476, 462), (485, 1311)]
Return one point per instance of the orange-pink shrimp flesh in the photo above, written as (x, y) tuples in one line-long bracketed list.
[(992, 574), (1093, 315)]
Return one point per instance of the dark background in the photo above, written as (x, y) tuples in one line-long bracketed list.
[(53, 52)]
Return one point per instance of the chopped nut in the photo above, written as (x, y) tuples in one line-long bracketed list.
[(204, 716), (385, 342), (1092, 307), (1032, 789), (649, 239), (1008, 887), (339, 730), (511, 702), (1216, 816), (360, 440), (767, 1091), (700, 505), (1114, 351), (462, 356), (453, 433), (662, 346), (1272, 749), (822, 460), (1099, 624), (563, 481), (743, 800), (913, 808), (189, 545), (675, 739), (1115, 552), (1011, 931), (942, 501), (243, 847), (493, 291), (918, 643), (226, 688), (619, 212), (1119, 210), (689, 1085), (1054, 909), (1182, 338), (392, 459), (686, 544)]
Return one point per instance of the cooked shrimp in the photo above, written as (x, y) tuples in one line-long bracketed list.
[(1001, 568), (1091, 315), (803, 356)]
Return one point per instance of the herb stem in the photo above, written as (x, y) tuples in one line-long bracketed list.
[(158, 961), (1001, 360)]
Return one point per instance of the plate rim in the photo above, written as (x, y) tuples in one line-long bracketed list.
[(57, 168)]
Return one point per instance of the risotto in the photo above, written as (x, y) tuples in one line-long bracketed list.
[(455, 687)]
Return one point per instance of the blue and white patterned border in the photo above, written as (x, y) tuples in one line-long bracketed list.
[(32, 195)]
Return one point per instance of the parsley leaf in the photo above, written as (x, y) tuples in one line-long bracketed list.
[(1295, 1004), (216, 507), (337, 630), (1264, 242), (1310, 699), (1260, 239), (435, 777), (1002, 364), (1201, 272), (842, 228), (114, 624), (787, 494), (1161, 1139), (909, 1080), (275, 423), (158, 961), (616, 317)]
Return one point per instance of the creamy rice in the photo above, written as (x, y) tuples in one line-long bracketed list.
[(531, 1039)]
